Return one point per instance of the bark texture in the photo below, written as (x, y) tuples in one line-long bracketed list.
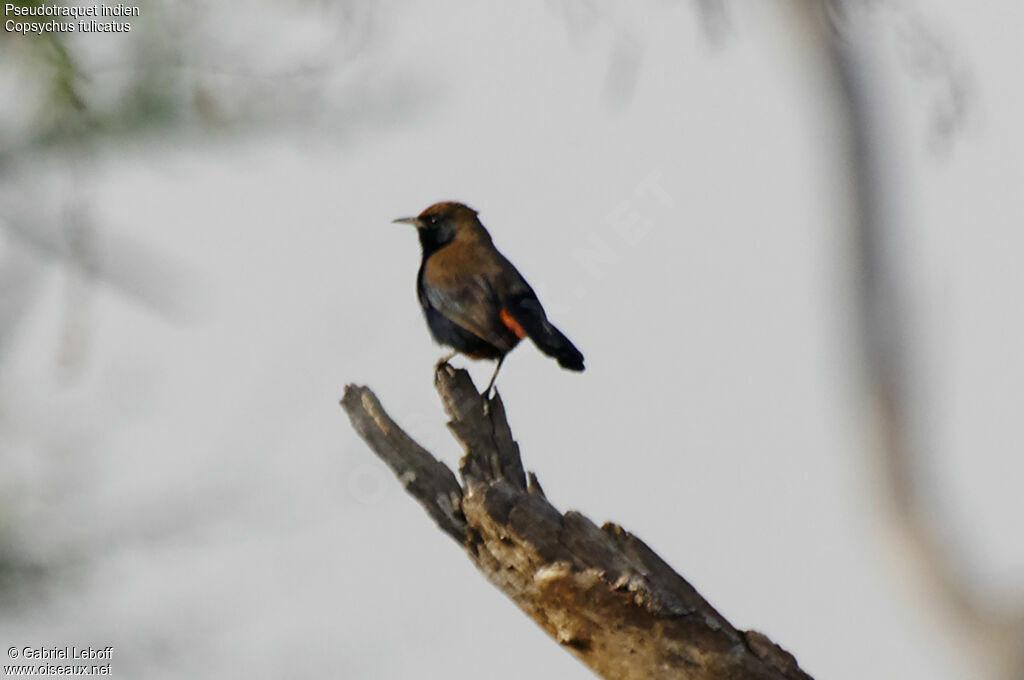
[(600, 592)]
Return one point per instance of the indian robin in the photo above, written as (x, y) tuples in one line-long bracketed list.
[(474, 300)]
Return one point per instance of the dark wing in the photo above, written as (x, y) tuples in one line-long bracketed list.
[(522, 311), (466, 298)]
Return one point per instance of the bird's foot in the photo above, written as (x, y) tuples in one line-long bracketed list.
[(489, 395), (442, 362)]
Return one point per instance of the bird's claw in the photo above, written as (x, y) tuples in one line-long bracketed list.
[(442, 363)]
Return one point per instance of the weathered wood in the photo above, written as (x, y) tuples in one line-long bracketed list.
[(427, 479), (602, 593)]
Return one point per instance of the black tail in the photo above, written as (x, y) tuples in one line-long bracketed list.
[(529, 314)]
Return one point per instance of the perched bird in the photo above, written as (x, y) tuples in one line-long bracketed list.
[(474, 300)]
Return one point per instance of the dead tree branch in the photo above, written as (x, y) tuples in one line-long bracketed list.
[(599, 591)]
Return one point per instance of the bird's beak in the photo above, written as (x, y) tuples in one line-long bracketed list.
[(414, 221)]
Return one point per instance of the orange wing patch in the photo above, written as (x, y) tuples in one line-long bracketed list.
[(512, 324)]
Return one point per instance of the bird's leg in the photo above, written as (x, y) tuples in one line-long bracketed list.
[(494, 377)]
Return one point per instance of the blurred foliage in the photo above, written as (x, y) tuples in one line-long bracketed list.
[(48, 56), (19, 577), (69, 113), (84, 90)]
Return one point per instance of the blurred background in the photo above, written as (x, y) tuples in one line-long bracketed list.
[(785, 234)]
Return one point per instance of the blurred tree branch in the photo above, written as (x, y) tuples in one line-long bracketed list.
[(603, 594), (885, 324)]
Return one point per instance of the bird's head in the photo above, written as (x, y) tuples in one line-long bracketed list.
[(443, 222)]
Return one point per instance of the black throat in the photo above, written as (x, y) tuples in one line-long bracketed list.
[(435, 237)]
